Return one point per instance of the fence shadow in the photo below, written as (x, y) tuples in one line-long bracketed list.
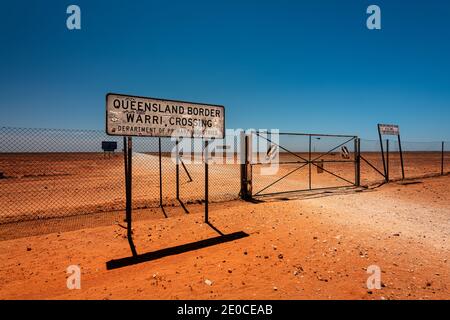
[(313, 194), (149, 256)]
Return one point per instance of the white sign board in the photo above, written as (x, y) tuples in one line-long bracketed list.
[(151, 117), (389, 129)]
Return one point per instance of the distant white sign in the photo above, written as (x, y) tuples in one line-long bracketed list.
[(389, 129), (151, 117)]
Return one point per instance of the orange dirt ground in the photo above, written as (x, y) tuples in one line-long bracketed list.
[(308, 246)]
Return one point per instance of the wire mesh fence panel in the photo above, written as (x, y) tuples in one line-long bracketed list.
[(55, 173), (224, 169), (146, 172), (46, 173), (419, 159), (372, 166)]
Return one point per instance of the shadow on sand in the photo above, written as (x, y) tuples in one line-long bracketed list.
[(149, 256)]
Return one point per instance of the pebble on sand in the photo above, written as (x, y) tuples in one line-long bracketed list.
[(208, 282)]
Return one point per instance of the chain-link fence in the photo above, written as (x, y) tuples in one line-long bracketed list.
[(420, 159), (65, 174), (46, 173)]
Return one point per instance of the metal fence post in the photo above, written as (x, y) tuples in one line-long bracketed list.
[(224, 151), (125, 161), (248, 167), (206, 182), (401, 156), (177, 170), (160, 174), (382, 153), (245, 166), (309, 162), (129, 194), (387, 160), (442, 158), (357, 162)]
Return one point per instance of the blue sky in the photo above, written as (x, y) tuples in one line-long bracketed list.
[(301, 66)]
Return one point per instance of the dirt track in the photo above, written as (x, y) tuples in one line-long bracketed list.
[(311, 247)]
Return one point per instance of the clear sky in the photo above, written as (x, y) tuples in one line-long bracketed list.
[(301, 66)]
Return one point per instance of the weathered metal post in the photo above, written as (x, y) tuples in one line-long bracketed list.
[(401, 156), (160, 174), (382, 153), (224, 150), (357, 159), (206, 181), (245, 167), (125, 162), (387, 160), (177, 170), (129, 193), (248, 166), (309, 163), (442, 158)]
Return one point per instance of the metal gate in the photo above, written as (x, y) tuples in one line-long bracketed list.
[(292, 162)]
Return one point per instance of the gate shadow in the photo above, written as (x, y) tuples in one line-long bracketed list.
[(312, 194), (149, 256)]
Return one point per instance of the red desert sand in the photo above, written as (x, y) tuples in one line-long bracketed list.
[(310, 246)]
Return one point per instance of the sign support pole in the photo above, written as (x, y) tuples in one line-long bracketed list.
[(382, 153), (401, 156), (357, 163), (206, 182), (387, 160), (125, 162), (309, 163), (160, 173), (177, 170), (128, 156)]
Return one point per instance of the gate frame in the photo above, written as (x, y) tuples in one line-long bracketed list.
[(247, 165)]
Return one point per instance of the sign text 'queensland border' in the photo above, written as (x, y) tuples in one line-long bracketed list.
[(152, 117)]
